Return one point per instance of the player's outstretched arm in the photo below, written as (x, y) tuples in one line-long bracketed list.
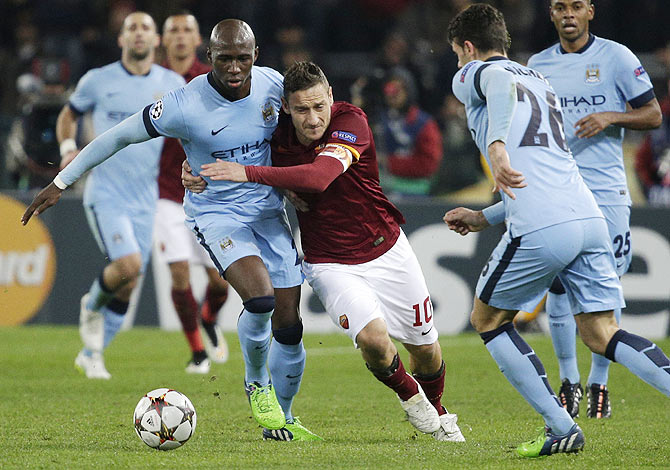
[(42, 201), (129, 131), (225, 171), (312, 177), (463, 220)]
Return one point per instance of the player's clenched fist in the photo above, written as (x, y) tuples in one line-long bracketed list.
[(463, 221)]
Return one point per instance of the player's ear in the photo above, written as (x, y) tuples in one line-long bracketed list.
[(592, 11), (255, 54), (469, 47), (284, 105), (209, 56), (157, 40), (330, 95)]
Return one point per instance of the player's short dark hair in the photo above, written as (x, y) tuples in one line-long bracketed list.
[(303, 75), (481, 24), (181, 12)]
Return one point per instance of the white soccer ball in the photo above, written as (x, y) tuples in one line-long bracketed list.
[(164, 419)]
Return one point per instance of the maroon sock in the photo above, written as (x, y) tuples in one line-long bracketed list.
[(212, 304), (433, 386), (397, 379), (187, 310)]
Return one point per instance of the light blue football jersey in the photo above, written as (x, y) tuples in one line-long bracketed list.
[(536, 145), (602, 76), (210, 127), (112, 94)]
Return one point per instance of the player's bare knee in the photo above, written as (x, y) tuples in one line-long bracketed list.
[(181, 275), (425, 353), (375, 345), (128, 268), (125, 291)]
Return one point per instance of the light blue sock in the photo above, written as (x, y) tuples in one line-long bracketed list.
[(254, 330), (113, 322), (563, 331), (524, 370), (287, 364), (98, 295), (642, 357), (600, 365)]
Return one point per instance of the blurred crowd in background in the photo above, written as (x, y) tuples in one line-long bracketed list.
[(389, 57)]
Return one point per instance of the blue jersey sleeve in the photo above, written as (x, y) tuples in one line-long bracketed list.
[(495, 214), (129, 131), (499, 87), (632, 80), (83, 98), (165, 117)]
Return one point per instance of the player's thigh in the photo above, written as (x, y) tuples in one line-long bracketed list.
[(344, 292), (521, 269), (225, 240), (590, 280), (174, 239), (398, 281), (618, 225), (113, 229), (278, 251)]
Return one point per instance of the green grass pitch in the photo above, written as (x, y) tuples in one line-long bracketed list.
[(54, 418)]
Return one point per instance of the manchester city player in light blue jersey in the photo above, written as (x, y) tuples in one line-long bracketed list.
[(594, 80), (554, 226), (230, 114), (119, 197)]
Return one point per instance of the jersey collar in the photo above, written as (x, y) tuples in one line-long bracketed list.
[(583, 49), (496, 57), (133, 74)]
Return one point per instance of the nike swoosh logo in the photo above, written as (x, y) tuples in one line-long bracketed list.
[(424, 333), (216, 132), (619, 265), (288, 376)]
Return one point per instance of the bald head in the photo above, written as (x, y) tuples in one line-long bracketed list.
[(232, 52), (232, 32)]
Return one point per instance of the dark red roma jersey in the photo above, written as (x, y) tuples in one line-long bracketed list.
[(351, 221)]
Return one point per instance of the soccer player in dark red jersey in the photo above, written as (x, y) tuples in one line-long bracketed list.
[(179, 246), (357, 258)]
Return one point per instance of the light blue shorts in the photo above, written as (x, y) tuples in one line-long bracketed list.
[(227, 240), (521, 270), (618, 223), (121, 231)]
